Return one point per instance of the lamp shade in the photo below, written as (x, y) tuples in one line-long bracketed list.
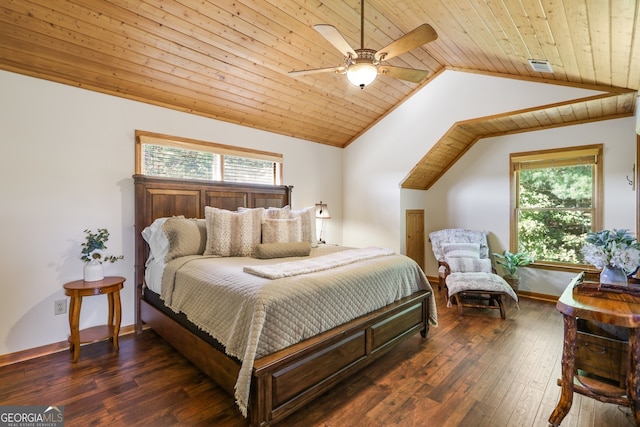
[(362, 74), (321, 211)]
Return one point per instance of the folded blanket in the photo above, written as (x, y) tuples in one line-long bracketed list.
[(311, 265)]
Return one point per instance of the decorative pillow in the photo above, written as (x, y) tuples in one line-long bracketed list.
[(461, 250), (271, 213), (276, 213), (282, 250), (308, 224), (469, 265), (185, 236), (281, 230), (232, 233), (155, 236)]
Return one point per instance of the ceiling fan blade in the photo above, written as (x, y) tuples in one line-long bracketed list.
[(334, 37), (409, 74), (417, 37), (339, 69)]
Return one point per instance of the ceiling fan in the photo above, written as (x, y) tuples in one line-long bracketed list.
[(363, 65)]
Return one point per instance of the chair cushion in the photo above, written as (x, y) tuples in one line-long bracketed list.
[(457, 235), (469, 265), (465, 282), (461, 250)]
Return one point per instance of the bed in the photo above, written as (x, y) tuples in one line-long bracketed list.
[(279, 377)]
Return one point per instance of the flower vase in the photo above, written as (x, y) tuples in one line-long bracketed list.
[(93, 271), (613, 276)]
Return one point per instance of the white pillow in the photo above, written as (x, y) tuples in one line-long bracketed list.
[(155, 236), (307, 223), (232, 233), (461, 250)]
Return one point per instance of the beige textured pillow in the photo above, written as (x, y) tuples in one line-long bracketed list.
[(276, 213), (232, 233), (282, 250), (155, 236), (281, 230), (272, 213), (307, 223), (185, 236)]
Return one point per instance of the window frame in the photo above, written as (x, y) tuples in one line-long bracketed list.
[(563, 156), (145, 137)]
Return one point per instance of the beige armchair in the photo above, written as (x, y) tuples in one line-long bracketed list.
[(466, 272)]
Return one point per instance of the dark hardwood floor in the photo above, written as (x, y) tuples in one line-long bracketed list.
[(476, 370)]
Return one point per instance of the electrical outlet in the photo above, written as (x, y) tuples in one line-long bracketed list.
[(60, 306)]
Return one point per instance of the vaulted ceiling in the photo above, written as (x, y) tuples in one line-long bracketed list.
[(462, 135), (229, 60)]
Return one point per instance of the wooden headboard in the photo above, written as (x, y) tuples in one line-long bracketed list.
[(163, 197)]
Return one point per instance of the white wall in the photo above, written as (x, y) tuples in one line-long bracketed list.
[(66, 161), (475, 192), (377, 162)]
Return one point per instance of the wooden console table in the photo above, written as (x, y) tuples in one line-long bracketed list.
[(615, 309)]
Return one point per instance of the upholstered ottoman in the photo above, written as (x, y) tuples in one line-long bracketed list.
[(479, 290)]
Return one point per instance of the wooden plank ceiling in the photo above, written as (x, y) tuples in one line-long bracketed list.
[(462, 135), (229, 60)]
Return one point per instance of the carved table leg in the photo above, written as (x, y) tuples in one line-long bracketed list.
[(568, 368), (633, 374), (118, 317), (74, 326)]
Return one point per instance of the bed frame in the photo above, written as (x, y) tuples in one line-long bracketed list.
[(288, 379)]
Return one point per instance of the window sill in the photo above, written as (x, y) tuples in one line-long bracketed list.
[(578, 268)]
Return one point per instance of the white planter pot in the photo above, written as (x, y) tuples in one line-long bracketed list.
[(93, 271)]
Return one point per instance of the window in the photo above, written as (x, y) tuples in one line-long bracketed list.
[(173, 157), (557, 200)]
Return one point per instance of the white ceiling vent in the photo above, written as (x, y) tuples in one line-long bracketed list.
[(541, 65)]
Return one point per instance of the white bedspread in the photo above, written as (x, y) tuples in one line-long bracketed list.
[(253, 316)]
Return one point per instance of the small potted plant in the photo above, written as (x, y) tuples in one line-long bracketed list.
[(510, 262), (93, 254)]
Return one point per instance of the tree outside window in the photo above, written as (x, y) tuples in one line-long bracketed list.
[(557, 201), (175, 157)]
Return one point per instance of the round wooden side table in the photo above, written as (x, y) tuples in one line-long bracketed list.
[(109, 286)]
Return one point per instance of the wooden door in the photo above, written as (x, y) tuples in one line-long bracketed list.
[(415, 235)]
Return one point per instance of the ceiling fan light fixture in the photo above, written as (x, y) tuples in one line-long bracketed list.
[(363, 71), (362, 74), (361, 65)]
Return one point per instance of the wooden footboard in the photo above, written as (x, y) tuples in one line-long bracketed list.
[(218, 366), (285, 381)]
